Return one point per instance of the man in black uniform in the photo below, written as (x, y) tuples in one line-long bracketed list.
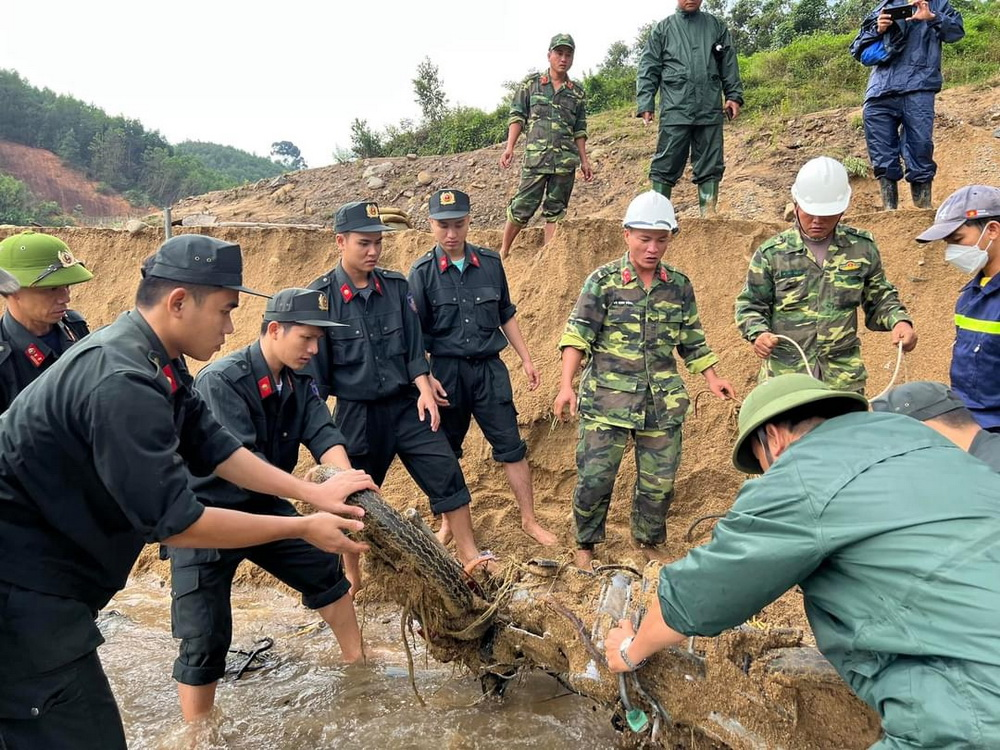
[(94, 462), (467, 318), (38, 325), (376, 367), (259, 394)]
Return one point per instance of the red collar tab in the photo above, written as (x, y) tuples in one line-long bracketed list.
[(168, 373), (35, 355), (569, 84), (474, 259), (663, 274), (627, 276), (346, 293), (378, 285), (543, 80), (264, 387), (443, 263)]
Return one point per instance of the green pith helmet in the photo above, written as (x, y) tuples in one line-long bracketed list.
[(41, 261), (777, 396)]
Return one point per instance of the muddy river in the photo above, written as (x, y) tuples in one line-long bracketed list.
[(302, 698)]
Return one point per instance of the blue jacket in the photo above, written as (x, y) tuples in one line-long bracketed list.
[(917, 67), (975, 360)]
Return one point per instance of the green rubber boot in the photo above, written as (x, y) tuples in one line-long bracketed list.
[(708, 198), (663, 188)]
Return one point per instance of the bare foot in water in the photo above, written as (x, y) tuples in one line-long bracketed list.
[(540, 535)]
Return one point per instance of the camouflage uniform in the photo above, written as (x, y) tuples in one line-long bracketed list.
[(631, 387), (553, 121), (787, 292)]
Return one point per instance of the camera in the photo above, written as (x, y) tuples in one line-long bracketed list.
[(900, 12)]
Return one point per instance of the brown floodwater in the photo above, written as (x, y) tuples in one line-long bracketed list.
[(304, 698)]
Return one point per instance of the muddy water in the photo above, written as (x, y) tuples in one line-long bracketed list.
[(303, 698)]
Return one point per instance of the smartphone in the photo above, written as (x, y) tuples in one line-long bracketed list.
[(900, 12)]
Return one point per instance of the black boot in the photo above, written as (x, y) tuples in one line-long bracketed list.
[(890, 193), (921, 192)]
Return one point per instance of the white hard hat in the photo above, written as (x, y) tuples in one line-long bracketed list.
[(822, 187), (651, 210)]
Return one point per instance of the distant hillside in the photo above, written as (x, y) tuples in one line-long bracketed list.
[(235, 165)]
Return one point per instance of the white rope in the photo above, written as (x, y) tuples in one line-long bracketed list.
[(805, 359), (895, 374)]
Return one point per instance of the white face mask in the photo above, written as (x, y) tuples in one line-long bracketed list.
[(968, 258)]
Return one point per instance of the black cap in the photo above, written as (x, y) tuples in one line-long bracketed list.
[(921, 399), (449, 204), (359, 216), (307, 307), (197, 259)]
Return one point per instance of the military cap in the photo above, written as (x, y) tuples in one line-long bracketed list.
[(359, 216), (965, 204), (41, 261), (562, 40), (921, 399), (197, 259), (306, 307), (449, 204), (778, 395)]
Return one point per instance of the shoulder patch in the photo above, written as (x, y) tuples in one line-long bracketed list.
[(677, 274), (862, 233), (423, 260), (234, 369), (778, 240), (321, 283), (487, 253), (386, 273)]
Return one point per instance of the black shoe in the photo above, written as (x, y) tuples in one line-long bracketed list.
[(890, 193), (921, 192)]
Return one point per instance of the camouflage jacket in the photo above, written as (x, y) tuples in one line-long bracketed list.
[(553, 121), (787, 292), (629, 334)]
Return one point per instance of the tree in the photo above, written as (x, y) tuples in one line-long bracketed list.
[(429, 91), (288, 155), (365, 142), (15, 201)]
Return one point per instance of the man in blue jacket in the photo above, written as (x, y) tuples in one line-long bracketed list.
[(899, 102), (969, 221)]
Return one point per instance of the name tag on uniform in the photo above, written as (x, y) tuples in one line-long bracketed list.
[(790, 273), (622, 303)]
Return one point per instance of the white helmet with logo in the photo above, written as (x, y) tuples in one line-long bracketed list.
[(651, 210), (822, 187)]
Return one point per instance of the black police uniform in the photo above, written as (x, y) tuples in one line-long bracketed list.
[(92, 466), (461, 313), (24, 356), (271, 422), (370, 364)]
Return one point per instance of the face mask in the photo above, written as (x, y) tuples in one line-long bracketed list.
[(968, 258)]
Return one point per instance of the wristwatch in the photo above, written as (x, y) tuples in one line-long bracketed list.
[(623, 651)]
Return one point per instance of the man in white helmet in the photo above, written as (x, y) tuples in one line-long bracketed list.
[(808, 282), (631, 315)]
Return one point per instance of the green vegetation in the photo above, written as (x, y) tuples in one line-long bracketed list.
[(119, 152), (795, 60), (18, 206)]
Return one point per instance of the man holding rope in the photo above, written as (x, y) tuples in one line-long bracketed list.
[(804, 286)]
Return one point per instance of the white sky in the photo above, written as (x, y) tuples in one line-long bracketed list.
[(247, 74)]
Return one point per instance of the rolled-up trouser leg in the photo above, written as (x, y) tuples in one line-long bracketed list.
[(657, 456), (671, 155), (598, 455), (707, 162), (882, 119), (918, 136)]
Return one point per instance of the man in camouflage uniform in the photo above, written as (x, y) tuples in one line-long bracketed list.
[(37, 326), (629, 317), (808, 282), (554, 109)]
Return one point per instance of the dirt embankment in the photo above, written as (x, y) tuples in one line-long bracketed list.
[(49, 179), (545, 283)]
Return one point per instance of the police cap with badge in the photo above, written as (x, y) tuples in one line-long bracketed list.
[(359, 216), (304, 307), (197, 259), (40, 261), (448, 204)]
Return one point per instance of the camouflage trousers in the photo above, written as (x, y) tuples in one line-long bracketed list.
[(550, 191), (599, 454)]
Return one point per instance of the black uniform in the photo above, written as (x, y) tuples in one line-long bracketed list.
[(461, 313), (271, 422), (94, 463), (24, 356), (370, 364)]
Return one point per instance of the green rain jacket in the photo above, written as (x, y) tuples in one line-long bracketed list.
[(691, 59), (893, 534)]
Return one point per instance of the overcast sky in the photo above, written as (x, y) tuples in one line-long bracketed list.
[(300, 71)]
